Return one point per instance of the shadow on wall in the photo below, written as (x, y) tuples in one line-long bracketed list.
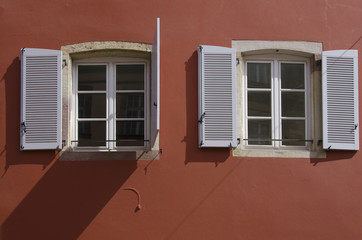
[(193, 152), (66, 200), (334, 155), (11, 154)]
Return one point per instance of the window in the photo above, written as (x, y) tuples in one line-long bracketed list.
[(111, 103), (271, 98), (103, 103), (272, 124), (276, 102)]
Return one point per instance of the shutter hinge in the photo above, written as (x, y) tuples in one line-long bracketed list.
[(200, 48), (237, 61), (201, 143), (355, 126), (238, 139), (65, 62), (22, 128), (202, 117), (155, 104)]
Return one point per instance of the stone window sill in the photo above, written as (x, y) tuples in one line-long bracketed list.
[(70, 154)]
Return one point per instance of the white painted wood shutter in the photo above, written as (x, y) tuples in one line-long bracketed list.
[(340, 99), (155, 85), (40, 114), (217, 96)]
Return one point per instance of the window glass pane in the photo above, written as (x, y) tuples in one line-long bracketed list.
[(130, 133), (130, 105), (92, 133), (294, 130), (259, 129), (293, 104), (259, 103), (130, 77), (292, 75), (91, 105), (259, 75), (92, 77)]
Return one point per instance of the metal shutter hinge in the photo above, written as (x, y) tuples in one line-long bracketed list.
[(200, 48), (202, 117), (23, 128)]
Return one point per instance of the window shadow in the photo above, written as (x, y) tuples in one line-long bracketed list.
[(67, 199), (193, 152), (11, 154), (334, 155)]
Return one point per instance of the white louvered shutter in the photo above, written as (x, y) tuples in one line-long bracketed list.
[(217, 96), (155, 85), (40, 116), (340, 99)]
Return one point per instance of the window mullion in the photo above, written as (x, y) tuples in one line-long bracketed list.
[(110, 107), (276, 104)]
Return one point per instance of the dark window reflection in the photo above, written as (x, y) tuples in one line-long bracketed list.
[(130, 133), (92, 77), (91, 105), (130, 77), (259, 75), (259, 103), (92, 133), (130, 105), (293, 130), (292, 75), (260, 130)]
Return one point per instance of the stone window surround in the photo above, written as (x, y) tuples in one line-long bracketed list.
[(311, 50), (95, 50)]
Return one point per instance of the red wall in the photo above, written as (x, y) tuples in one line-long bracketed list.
[(190, 193)]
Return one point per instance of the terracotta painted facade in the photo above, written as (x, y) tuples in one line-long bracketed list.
[(189, 193)]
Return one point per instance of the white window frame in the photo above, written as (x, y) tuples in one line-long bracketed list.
[(111, 91), (276, 60)]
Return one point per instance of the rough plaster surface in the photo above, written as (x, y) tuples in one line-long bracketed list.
[(190, 193)]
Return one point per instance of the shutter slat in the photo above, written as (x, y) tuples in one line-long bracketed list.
[(340, 99), (40, 99), (217, 103)]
